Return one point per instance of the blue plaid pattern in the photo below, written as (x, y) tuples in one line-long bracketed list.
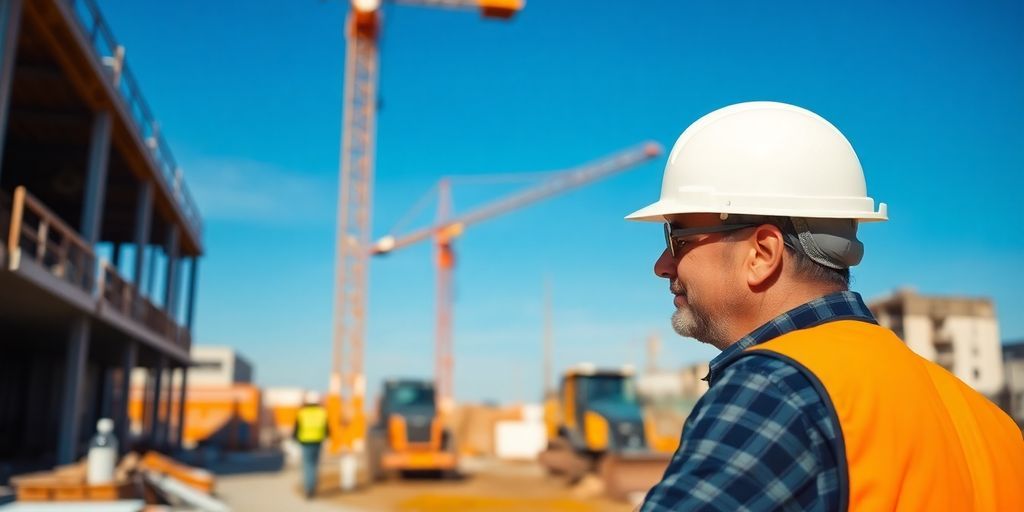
[(761, 438)]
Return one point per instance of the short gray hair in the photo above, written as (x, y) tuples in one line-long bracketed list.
[(804, 266)]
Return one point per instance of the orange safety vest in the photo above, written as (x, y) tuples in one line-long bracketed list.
[(912, 436), (312, 424)]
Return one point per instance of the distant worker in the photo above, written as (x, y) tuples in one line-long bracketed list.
[(310, 431), (811, 405)]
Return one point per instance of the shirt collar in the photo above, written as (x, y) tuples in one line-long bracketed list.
[(845, 305)]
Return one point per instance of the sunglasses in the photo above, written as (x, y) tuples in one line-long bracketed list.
[(674, 236)]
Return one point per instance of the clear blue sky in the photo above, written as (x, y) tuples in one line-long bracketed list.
[(249, 93)]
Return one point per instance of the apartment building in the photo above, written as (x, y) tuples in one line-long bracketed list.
[(961, 334)]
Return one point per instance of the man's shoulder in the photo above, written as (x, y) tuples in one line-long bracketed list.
[(761, 374)]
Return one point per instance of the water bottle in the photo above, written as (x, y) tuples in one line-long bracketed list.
[(102, 454)]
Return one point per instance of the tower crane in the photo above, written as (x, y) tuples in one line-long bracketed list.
[(355, 200), (447, 229)]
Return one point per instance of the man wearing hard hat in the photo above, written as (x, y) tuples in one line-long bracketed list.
[(811, 405)]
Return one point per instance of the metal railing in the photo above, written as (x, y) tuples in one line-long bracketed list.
[(35, 233), (112, 55)]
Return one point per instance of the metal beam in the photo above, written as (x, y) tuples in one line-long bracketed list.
[(143, 218), (121, 421), (115, 256), (106, 391), (96, 178), (71, 402), (171, 281), (165, 431), (151, 272), (193, 281), (154, 418), (181, 405), (10, 19)]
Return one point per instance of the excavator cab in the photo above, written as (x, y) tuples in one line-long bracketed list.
[(602, 412), (409, 435), (596, 425)]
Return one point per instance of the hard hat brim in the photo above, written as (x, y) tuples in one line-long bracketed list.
[(656, 212), (660, 210)]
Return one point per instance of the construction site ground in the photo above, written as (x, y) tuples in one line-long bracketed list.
[(487, 485)]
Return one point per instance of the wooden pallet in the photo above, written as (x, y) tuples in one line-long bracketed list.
[(48, 486)]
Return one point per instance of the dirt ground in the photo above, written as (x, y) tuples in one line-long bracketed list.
[(487, 485)]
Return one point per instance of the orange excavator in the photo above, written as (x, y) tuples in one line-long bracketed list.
[(409, 435)]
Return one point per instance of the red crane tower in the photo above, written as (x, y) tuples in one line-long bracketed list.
[(447, 229)]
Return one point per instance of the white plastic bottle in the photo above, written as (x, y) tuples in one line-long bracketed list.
[(102, 454)]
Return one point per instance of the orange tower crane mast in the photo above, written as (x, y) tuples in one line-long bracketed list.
[(447, 229), (355, 202)]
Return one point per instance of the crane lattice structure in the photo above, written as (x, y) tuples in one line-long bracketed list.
[(355, 204)]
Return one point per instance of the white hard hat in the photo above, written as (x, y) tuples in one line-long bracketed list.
[(312, 397), (763, 158)]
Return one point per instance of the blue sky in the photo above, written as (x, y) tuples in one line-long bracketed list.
[(249, 96)]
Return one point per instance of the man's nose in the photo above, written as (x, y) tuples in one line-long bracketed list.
[(665, 266)]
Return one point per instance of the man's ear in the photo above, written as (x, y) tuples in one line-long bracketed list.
[(763, 263)]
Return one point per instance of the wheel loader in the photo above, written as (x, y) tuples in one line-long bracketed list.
[(596, 425), (409, 435)]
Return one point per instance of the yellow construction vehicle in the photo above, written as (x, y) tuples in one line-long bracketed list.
[(596, 425), (409, 434)]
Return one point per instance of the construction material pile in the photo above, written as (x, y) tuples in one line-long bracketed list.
[(153, 479)]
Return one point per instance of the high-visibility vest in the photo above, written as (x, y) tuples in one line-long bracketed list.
[(913, 436), (312, 424)]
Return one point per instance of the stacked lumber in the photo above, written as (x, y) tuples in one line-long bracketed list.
[(154, 477), (67, 483)]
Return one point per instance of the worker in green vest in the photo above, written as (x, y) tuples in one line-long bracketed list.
[(310, 431)]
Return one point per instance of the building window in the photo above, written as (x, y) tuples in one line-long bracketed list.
[(977, 374), (207, 365)]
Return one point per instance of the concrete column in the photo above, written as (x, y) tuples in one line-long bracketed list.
[(143, 218), (71, 402), (193, 281), (182, 395), (154, 418), (171, 281), (96, 177), (10, 20), (122, 422)]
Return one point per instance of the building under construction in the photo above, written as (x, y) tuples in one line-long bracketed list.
[(100, 241)]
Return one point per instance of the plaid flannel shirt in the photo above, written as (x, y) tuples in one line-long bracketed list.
[(761, 438)]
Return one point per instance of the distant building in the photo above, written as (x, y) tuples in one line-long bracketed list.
[(655, 386), (1013, 368), (222, 406), (212, 367), (218, 366), (694, 385), (960, 334)]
